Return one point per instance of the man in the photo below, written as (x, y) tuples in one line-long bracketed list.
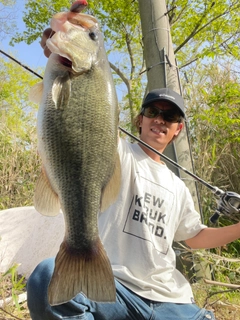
[(153, 208)]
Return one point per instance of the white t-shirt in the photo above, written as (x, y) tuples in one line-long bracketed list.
[(154, 208)]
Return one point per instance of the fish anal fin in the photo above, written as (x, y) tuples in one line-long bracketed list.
[(45, 199), (112, 189), (89, 272)]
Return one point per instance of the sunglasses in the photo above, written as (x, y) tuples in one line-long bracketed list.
[(171, 115)]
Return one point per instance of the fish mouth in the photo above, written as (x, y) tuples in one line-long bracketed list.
[(65, 62), (61, 57)]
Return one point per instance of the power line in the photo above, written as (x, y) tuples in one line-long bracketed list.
[(22, 65)]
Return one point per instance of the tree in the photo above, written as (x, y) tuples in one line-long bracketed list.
[(199, 29), (18, 158), (205, 29), (214, 112)]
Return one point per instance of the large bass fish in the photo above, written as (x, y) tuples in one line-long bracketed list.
[(77, 142)]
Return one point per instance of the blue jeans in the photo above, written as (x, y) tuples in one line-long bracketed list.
[(128, 306)]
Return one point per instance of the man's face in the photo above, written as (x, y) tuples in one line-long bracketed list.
[(157, 132)]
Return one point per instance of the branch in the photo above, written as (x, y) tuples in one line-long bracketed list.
[(120, 74), (228, 285), (10, 314), (128, 41), (213, 49), (196, 30), (223, 284)]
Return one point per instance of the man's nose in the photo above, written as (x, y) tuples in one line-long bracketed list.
[(159, 119)]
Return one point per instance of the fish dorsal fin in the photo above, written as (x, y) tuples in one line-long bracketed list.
[(35, 94), (111, 190), (61, 90), (45, 199)]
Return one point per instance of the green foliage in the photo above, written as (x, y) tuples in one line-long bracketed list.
[(18, 157), (199, 29), (17, 284), (203, 29), (12, 290), (214, 112), (37, 18), (117, 21)]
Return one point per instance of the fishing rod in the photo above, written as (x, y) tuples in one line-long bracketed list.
[(228, 202), (22, 65)]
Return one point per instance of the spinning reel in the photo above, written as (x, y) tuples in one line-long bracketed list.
[(228, 204)]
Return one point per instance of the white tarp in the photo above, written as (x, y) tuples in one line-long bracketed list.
[(27, 237)]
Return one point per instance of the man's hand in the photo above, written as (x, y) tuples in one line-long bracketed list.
[(47, 33), (78, 6)]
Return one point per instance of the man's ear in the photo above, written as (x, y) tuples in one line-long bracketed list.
[(179, 129)]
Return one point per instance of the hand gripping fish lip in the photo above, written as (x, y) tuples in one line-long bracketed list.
[(61, 21), (64, 26)]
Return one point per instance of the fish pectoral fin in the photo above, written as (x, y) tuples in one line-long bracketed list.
[(45, 199), (61, 90), (87, 271), (35, 94), (111, 191)]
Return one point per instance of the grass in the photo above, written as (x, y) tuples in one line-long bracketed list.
[(222, 300), (12, 291)]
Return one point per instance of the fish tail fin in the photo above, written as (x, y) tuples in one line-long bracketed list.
[(89, 272)]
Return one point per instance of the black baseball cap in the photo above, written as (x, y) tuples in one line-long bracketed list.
[(165, 94)]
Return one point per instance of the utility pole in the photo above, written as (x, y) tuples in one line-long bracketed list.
[(162, 72)]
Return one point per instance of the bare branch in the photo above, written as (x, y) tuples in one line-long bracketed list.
[(120, 74), (196, 30)]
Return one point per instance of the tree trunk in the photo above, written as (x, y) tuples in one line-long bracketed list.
[(162, 72)]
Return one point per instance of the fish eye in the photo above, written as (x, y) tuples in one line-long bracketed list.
[(93, 35)]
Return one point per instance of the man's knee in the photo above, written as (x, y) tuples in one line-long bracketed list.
[(41, 274), (37, 284)]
